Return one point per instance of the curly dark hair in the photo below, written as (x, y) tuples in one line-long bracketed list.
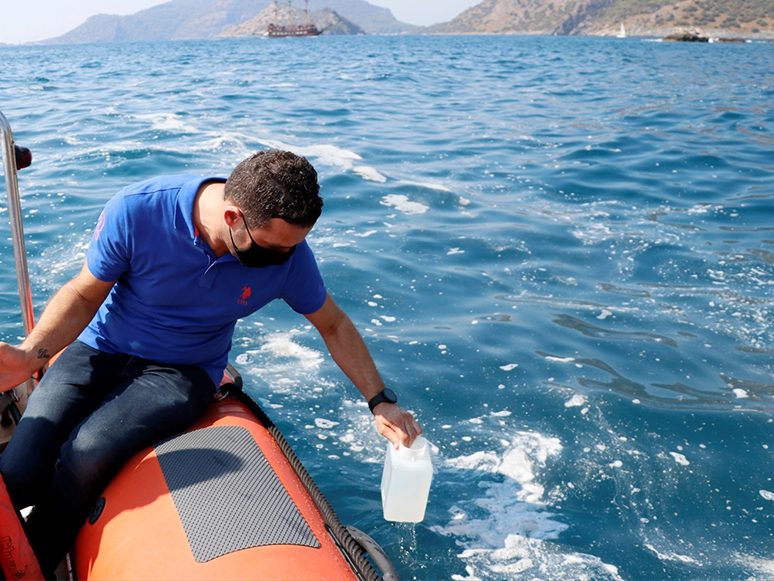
[(275, 184)]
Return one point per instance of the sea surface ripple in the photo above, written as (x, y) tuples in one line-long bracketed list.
[(560, 252)]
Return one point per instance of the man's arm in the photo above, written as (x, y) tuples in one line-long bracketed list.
[(351, 355), (68, 313)]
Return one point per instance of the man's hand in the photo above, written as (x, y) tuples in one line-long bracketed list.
[(396, 424), (15, 367), (66, 315)]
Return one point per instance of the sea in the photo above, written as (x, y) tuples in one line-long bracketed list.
[(559, 251)]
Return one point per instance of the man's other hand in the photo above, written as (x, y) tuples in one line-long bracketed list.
[(396, 424)]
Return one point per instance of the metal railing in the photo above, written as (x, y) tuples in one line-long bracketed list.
[(10, 155)]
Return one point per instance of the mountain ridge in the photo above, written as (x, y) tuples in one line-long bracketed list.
[(182, 19), (655, 18), (191, 19)]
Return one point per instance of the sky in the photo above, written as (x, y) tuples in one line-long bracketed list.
[(31, 20), (425, 12)]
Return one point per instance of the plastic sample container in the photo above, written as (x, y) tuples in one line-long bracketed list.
[(406, 480)]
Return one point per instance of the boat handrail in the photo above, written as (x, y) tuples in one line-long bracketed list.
[(17, 231)]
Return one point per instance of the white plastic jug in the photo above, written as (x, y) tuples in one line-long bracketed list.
[(406, 481)]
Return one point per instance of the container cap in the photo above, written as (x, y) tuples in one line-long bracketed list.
[(417, 449)]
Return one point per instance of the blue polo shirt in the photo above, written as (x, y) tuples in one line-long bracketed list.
[(174, 302)]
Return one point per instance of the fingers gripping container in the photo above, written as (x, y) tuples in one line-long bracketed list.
[(406, 481)]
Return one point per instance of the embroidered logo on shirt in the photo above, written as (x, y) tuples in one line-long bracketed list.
[(100, 226), (246, 294)]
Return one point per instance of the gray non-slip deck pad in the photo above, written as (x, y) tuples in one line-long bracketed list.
[(227, 495)]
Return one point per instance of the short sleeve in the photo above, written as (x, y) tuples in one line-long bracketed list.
[(108, 253), (304, 289)]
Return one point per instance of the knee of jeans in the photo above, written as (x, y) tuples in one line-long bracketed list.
[(85, 463)]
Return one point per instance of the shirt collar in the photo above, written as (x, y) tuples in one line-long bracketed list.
[(185, 202)]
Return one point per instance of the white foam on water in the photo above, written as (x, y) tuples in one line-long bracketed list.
[(516, 462), (369, 173), (762, 566), (734, 285), (560, 359), (282, 362), (343, 426), (59, 262), (604, 315), (329, 154), (326, 152), (234, 142), (507, 533), (671, 556), (680, 459), (403, 204), (430, 186), (167, 122)]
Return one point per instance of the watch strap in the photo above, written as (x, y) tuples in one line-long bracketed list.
[(386, 395)]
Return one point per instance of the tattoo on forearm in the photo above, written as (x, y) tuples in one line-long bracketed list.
[(43, 354)]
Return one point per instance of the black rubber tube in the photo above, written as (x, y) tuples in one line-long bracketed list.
[(379, 557)]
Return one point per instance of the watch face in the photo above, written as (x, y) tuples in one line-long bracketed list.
[(386, 395)]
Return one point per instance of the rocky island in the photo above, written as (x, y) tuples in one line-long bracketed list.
[(326, 20)]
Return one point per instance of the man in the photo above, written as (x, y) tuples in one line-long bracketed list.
[(173, 264)]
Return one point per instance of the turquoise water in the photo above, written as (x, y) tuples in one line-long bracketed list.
[(559, 250)]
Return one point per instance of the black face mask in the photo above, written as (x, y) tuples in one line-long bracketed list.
[(257, 256)]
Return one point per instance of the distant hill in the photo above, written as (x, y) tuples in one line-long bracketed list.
[(372, 19), (327, 20), (748, 18), (180, 19)]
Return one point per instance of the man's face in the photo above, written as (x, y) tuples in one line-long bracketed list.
[(269, 246), (279, 236)]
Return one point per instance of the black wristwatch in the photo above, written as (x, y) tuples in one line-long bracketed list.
[(386, 395)]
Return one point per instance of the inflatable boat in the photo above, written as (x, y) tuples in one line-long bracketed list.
[(226, 499)]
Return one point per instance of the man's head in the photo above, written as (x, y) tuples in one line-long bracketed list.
[(275, 184)]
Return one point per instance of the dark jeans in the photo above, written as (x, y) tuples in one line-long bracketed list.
[(91, 413)]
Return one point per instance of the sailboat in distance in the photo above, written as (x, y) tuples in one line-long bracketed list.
[(622, 34), (288, 30)]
